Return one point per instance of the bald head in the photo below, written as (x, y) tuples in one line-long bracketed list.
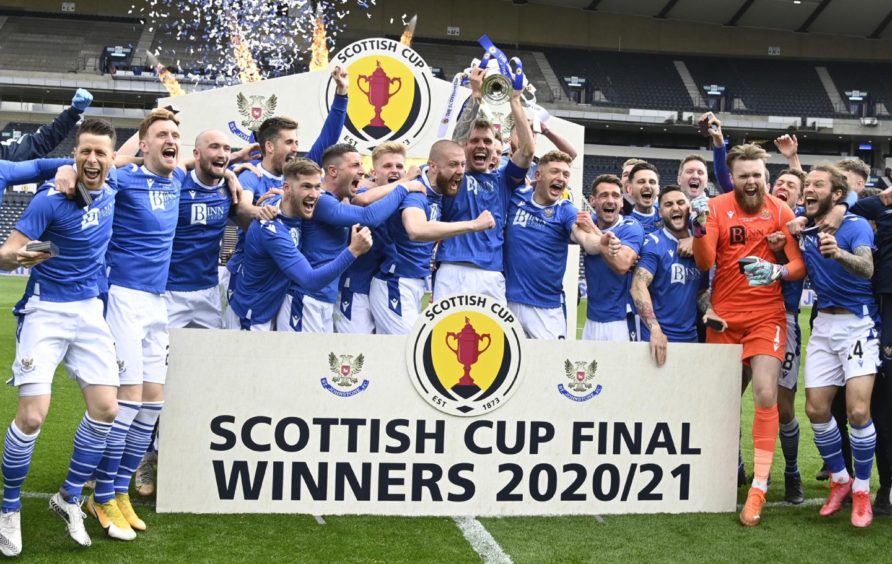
[(443, 149), (212, 152)]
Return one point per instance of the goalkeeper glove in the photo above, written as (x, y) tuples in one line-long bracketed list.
[(700, 207), (82, 99), (760, 272)]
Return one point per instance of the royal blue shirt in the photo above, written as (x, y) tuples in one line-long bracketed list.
[(608, 293), (403, 257), (649, 222), (873, 209), (673, 291), (82, 235), (358, 278), (146, 212), (328, 232), (258, 186), (271, 262), (480, 191), (536, 240), (204, 211), (833, 284)]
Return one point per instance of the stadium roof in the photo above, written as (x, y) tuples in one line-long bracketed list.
[(862, 18)]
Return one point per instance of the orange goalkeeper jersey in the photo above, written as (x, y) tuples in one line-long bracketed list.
[(732, 234)]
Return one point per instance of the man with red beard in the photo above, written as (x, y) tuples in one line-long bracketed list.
[(746, 296)]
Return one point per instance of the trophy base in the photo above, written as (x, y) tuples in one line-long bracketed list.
[(376, 131), (465, 391)]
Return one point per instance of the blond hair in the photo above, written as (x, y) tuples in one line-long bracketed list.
[(158, 114)]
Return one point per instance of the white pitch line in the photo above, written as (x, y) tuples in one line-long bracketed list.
[(319, 519), (807, 503), (481, 541)]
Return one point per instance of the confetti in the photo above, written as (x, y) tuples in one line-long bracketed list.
[(232, 41)]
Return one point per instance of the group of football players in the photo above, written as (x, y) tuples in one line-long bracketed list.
[(121, 248)]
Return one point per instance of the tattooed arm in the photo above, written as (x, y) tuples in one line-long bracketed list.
[(859, 262), (641, 281)]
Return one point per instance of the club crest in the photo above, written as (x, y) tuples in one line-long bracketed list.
[(345, 369), (579, 385)]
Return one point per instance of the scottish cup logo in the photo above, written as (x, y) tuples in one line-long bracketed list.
[(464, 355), (390, 93)]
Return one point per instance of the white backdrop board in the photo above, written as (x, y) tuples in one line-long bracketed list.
[(261, 423)]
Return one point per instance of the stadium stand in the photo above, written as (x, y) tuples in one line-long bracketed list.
[(59, 44), (766, 86), (635, 80), (869, 77), (14, 203)]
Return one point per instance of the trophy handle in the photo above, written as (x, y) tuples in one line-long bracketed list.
[(488, 342), (359, 83), (454, 336), (399, 84)]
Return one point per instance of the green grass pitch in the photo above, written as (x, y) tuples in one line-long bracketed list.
[(789, 534)]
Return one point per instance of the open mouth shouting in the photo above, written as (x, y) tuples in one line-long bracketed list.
[(678, 219), (307, 205), (646, 196), (811, 203), (92, 175), (480, 158), (556, 190), (169, 155), (694, 186)]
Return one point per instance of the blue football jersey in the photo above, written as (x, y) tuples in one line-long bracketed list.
[(146, 211), (536, 240), (404, 257), (674, 289), (272, 261), (608, 293), (480, 191), (328, 232), (204, 211), (833, 284), (258, 186), (649, 222), (82, 235), (358, 278)]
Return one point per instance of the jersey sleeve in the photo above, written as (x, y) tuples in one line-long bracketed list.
[(331, 129), (649, 257), (795, 262), (631, 235), (40, 143), (512, 176), (569, 218), (869, 208), (332, 212), (414, 200), (36, 217), (250, 183), (295, 265), (37, 170), (859, 234), (720, 168), (705, 247)]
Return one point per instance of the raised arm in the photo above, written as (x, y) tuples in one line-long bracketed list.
[(334, 122), (526, 143), (48, 137), (788, 146), (465, 120)]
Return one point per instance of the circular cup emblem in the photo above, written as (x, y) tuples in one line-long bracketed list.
[(464, 354), (390, 93)]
